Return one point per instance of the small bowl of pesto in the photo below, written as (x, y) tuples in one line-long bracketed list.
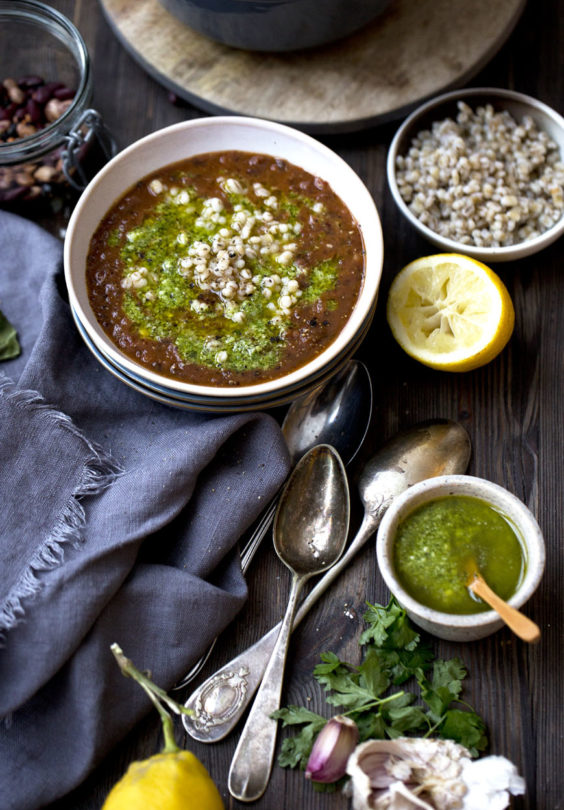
[(436, 530), (227, 262)]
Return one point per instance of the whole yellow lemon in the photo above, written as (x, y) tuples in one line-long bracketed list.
[(168, 781)]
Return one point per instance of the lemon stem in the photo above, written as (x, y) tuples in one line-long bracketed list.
[(157, 696), (170, 746)]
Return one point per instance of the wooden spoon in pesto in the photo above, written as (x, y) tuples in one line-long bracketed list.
[(523, 627)]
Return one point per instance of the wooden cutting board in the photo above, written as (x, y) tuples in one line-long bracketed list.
[(414, 50)]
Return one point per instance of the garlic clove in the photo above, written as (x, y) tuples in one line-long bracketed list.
[(401, 798), (381, 761), (376, 769), (331, 750)]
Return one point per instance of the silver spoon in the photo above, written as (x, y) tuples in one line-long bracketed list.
[(310, 533), (337, 413), (428, 449)]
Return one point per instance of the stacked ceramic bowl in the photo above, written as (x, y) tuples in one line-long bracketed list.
[(203, 137)]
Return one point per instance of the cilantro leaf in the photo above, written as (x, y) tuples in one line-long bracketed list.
[(297, 715), (466, 728), (337, 676), (374, 673), (379, 619), (330, 664), (449, 673), (389, 627), (353, 687), (349, 692), (371, 726), (9, 345), (295, 750), (444, 687), (406, 718), (403, 664)]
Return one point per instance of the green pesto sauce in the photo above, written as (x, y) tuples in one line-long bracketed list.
[(321, 279), (434, 543), (205, 332)]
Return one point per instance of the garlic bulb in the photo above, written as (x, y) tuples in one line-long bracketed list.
[(427, 774)]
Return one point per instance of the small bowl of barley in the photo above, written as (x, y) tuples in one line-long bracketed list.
[(480, 171)]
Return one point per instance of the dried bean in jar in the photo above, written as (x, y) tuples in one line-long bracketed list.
[(30, 81), (27, 105)]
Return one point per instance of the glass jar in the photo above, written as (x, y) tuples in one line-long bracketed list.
[(51, 141)]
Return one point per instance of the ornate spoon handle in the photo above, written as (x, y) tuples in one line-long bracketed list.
[(254, 755), (221, 700)]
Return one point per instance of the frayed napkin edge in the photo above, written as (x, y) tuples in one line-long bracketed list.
[(99, 472)]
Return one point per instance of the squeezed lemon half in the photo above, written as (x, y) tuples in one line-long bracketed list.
[(450, 312)]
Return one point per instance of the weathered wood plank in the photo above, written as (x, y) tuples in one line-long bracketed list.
[(512, 409)]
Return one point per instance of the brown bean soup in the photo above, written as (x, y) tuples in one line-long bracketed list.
[(228, 268)]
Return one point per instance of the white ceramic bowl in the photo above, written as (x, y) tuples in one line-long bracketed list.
[(202, 135), (202, 404), (456, 627), (444, 106)]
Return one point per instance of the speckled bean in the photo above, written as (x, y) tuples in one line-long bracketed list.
[(15, 93), (55, 108), (26, 106)]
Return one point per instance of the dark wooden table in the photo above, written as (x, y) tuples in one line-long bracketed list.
[(512, 408)]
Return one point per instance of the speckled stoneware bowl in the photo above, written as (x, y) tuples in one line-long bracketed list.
[(445, 106), (275, 25), (182, 141), (456, 627)]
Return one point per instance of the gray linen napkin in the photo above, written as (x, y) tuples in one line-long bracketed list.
[(119, 520)]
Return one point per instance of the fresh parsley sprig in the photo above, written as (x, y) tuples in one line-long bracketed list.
[(394, 654)]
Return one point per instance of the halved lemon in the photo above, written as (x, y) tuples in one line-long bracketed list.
[(450, 312)]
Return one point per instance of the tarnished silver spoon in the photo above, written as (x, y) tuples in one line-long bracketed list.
[(429, 449), (310, 533), (337, 412)]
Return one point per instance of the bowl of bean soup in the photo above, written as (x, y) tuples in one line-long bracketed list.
[(225, 260)]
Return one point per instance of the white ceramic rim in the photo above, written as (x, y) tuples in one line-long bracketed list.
[(217, 134), (284, 394), (217, 405), (522, 519), (162, 399), (540, 112), (296, 390)]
